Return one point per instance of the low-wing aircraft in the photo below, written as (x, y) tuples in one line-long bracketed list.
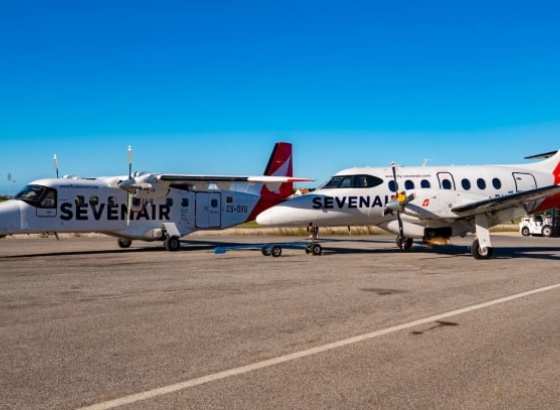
[(431, 203), (148, 206)]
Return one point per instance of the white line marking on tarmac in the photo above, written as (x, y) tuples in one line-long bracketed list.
[(150, 394)]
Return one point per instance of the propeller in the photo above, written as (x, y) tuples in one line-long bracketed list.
[(399, 219), (397, 205), (55, 161), (129, 196)]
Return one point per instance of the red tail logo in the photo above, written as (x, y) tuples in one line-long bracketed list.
[(279, 164)]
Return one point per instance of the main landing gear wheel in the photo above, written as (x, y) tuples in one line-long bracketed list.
[(276, 251), (480, 253), (124, 243), (403, 243), (265, 251), (172, 244)]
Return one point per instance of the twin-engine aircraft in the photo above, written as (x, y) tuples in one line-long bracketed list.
[(428, 203), (148, 206)]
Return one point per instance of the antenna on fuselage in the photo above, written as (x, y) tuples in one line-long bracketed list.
[(55, 161)]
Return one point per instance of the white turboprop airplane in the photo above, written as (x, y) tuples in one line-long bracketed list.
[(148, 206), (430, 203)]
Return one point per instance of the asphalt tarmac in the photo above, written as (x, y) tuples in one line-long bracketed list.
[(84, 324)]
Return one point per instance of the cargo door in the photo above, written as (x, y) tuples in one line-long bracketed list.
[(208, 210)]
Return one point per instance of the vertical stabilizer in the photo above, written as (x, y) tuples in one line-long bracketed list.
[(280, 165)]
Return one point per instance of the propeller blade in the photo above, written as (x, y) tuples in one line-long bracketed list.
[(129, 155), (129, 186), (399, 219), (128, 209), (55, 161)]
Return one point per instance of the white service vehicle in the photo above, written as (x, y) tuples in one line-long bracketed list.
[(535, 225)]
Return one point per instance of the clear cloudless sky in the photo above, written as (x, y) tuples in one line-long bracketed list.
[(209, 86)]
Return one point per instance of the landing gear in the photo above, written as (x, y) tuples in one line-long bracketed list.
[(480, 253), (276, 251), (172, 243), (403, 243), (124, 243)]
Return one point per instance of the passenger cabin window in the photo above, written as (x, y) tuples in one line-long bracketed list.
[(496, 183), (466, 184), (481, 184), (392, 186), (79, 200), (214, 203), (446, 184), (112, 200), (93, 200), (425, 184), (353, 181), (408, 184)]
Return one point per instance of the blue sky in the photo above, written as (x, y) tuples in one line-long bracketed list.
[(208, 87)]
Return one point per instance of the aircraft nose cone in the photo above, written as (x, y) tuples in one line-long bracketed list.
[(9, 217), (266, 217)]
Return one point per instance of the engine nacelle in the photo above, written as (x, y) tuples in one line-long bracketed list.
[(144, 186), (149, 187)]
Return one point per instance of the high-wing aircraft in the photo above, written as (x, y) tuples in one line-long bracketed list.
[(148, 206), (431, 203)]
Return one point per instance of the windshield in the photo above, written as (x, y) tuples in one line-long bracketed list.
[(353, 181), (38, 195)]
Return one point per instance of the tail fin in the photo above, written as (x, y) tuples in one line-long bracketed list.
[(280, 164)]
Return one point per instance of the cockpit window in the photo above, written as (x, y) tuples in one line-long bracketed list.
[(353, 181), (49, 199), (38, 195)]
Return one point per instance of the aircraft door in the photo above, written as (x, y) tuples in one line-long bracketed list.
[(446, 180), (525, 182), (208, 210)]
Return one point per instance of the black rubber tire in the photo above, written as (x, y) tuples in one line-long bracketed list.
[(547, 231), (316, 249), (403, 243), (124, 243), (172, 244), (276, 251), (525, 231), (265, 251), (480, 253)]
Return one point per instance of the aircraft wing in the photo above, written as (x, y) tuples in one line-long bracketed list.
[(224, 181), (505, 202)]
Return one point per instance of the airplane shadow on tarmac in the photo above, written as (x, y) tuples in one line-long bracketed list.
[(329, 249), (186, 246), (542, 253)]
